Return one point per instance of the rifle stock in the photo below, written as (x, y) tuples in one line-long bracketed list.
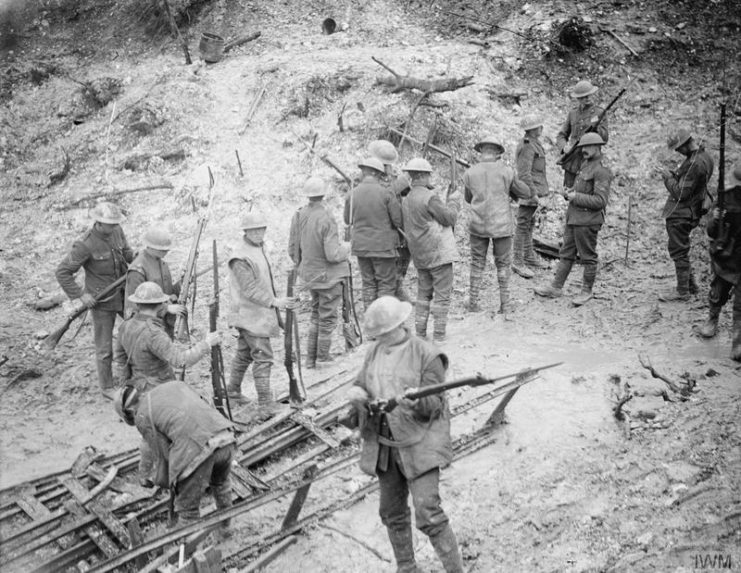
[(294, 393), (218, 383)]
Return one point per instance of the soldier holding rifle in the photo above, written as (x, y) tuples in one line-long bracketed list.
[(104, 253)]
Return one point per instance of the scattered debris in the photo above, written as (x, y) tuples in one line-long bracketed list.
[(399, 82)]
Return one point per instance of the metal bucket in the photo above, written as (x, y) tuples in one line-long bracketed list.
[(211, 47), (329, 26)]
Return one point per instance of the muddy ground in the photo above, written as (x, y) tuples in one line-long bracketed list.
[(566, 487)]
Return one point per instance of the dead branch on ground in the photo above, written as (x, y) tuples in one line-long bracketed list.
[(324, 158), (253, 108), (399, 82), (683, 390), (115, 193), (242, 40), (431, 147)]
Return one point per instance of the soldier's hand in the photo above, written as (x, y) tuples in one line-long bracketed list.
[(570, 195), (716, 213), (285, 302), (177, 309), (566, 148), (403, 400), (594, 120), (565, 192), (88, 300), (213, 338)]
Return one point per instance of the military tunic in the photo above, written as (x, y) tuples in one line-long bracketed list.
[(578, 122)]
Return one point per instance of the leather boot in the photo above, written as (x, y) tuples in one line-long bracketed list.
[(736, 336), (440, 320), (555, 289), (518, 250), (446, 547), (311, 346), (402, 543), (421, 316), (590, 273), (682, 292), (505, 308), (710, 328), (474, 289)]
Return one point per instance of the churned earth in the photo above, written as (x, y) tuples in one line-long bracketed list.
[(565, 486)]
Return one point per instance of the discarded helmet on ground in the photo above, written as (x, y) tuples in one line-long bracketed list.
[(124, 399), (148, 293), (105, 212), (590, 138), (315, 187), (383, 150), (583, 89), (530, 122), (157, 238), (418, 164), (489, 140), (384, 314), (372, 163), (678, 138), (253, 221)]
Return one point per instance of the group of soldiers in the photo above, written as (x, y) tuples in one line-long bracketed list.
[(393, 218)]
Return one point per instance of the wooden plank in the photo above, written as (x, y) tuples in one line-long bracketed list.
[(250, 479), (497, 416), (93, 531), (81, 493), (318, 431), (137, 538), (299, 498)]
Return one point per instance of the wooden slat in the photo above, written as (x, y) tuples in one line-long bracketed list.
[(96, 533), (81, 493), (318, 431)]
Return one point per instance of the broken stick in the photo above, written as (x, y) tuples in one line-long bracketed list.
[(110, 476), (325, 159), (239, 41), (117, 193), (432, 147), (399, 82), (176, 30), (646, 363)]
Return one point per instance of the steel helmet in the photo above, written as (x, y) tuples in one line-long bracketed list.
[(157, 238), (315, 187), (383, 150), (418, 164), (679, 138), (105, 212), (583, 89), (124, 399), (735, 177), (253, 221), (590, 138), (384, 314), (530, 122), (148, 293), (373, 163), (489, 140)]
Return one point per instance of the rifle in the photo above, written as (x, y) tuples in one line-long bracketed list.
[(51, 341), (453, 177), (478, 380), (296, 391), (218, 383), (567, 157), (351, 331), (723, 245)]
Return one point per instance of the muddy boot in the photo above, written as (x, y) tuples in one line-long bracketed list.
[(590, 273), (505, 308), (682, 291), (311, 346), (710, 328), (324, 343), (108, 393), (402, 543), (421, 316), (518, 248), (440, 321), (234, 390), (446, 547), (474, 289), (223, 499), (736, 336), (555, 289)]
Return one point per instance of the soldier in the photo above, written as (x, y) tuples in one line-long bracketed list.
[(724, 230), (386, 152), (428, 226), (530, 162), (584, 217), (373, 212), (407, 446), (580, 119), (687, 188), (253, 311), (150, 266), (104, 253), (145, 354), (322, 259), (488, 187), (192, 443)]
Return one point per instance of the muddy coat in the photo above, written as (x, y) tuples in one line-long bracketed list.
[(104, 260), (727, 262), (422, 433), (592, 193), (688, 187), (488, 188), (146, 267), (181, 428), (252, 292), (428, 226), (144, 355), (375, 216), (530, 162), (314, 245), (577, 123)]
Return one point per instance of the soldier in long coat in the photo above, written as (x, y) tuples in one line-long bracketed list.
[(406, 447)]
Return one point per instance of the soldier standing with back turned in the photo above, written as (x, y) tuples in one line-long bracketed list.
[(104, 253)]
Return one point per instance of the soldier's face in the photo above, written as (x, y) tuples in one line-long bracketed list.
[(106, 228), (255, 236), (157, 253), (584, 102), (590, 151)]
